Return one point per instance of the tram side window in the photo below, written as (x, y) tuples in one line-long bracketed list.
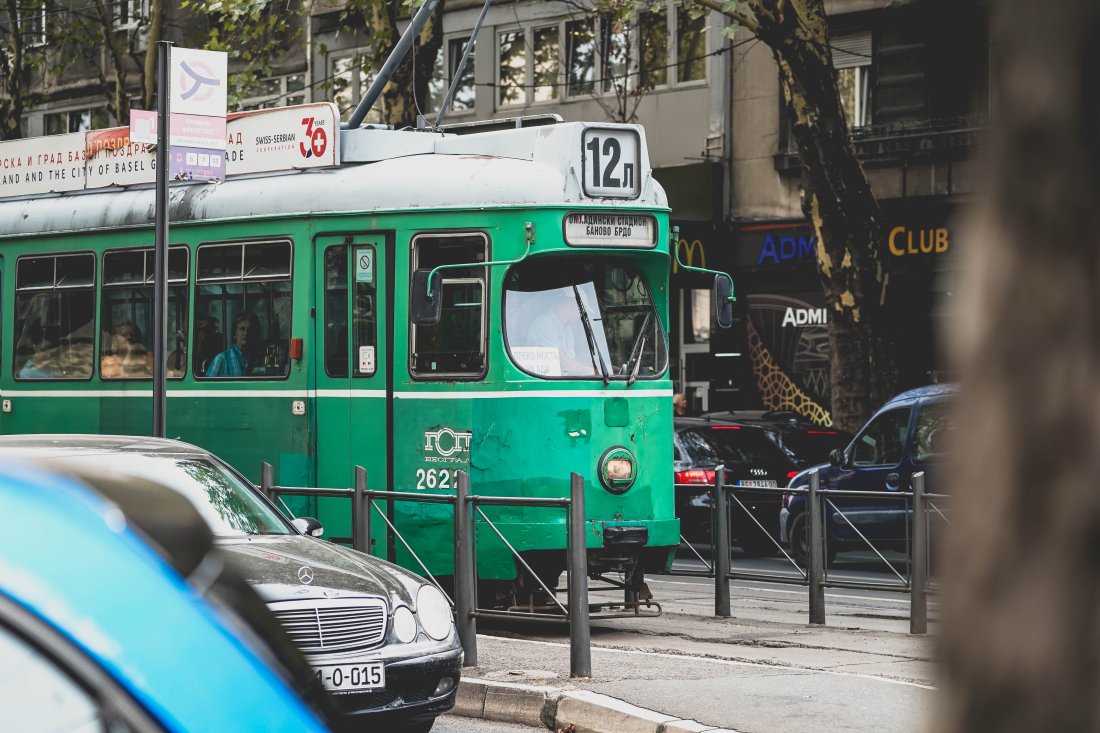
[(363, 318), (126, 310), (54, 316), (456, 346), (242, 310)]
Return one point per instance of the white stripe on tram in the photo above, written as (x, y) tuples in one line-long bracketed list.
[(519, 393)]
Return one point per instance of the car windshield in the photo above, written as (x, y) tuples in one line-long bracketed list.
[(728, 443), (588, 318), (229, 506)]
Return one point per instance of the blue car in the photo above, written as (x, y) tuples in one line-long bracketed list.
[(111, 624), (911, 433)]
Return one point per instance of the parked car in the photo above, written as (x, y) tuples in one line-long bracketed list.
[(804, 442), (751, 461), (104, 627), (912, 432), (381, 639)]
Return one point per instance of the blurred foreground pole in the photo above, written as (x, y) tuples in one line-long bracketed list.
[(1021, 630)]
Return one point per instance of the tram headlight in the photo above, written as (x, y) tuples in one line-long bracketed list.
[(618, 469), (404, 625), (434, 612)]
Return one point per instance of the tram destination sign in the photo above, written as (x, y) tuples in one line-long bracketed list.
[(285, 138), (610, 229)]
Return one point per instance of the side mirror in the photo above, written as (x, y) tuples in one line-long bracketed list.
[(723, 308), (427, 306), (836, 458), (308, 526)]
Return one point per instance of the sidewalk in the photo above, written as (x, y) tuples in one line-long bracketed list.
[(689, 671)]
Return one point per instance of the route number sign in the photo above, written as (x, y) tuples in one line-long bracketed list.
[(612, 163)]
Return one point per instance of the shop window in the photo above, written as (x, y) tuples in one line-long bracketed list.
[(691, 46), (580, 52), (698, 316), (364, 329), (456, 346), (126, 308), (245, 288), (54, 316), (653, 38)]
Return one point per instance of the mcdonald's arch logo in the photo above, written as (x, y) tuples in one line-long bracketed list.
[(689, 249)]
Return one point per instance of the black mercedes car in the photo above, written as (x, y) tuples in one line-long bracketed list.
[(380, 639), (804, 442)]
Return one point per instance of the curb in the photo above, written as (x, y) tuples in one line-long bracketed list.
[(550, 707)]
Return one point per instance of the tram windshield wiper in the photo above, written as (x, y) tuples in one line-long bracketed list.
[(636, 350), (593, 349)]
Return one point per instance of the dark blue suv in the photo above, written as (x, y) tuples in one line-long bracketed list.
[(909, 434)]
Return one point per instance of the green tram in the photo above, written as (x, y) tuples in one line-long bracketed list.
[(291, 336)]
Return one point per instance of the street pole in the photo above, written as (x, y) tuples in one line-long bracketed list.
[(815, 550), (721, 545), (160, 244), (918, 600)]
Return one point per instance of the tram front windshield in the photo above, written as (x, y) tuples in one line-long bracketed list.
[(586, 318)]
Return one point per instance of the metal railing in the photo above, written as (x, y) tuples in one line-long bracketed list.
[(918, 504), (465, 506)]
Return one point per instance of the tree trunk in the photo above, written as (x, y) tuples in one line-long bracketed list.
[(1021, 637), (838, 202)]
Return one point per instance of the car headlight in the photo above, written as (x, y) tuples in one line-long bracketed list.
[(404, 624), (434, 611)]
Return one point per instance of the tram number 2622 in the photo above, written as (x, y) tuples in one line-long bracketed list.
[(435, 478)]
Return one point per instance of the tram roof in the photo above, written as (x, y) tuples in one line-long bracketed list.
[(382, 170)]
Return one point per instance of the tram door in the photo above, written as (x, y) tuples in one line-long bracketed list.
[(350, 367)]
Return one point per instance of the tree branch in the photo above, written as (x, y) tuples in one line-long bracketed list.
[(745, 21)]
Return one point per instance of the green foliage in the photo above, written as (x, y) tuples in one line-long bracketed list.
[(261, 32)]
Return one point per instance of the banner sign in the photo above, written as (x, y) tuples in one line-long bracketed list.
[(285, 138)]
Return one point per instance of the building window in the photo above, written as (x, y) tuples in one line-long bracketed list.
[(54, 316), (455, 347), (126, 344), (350, 81), (34, 28), (691, 47), (128, 13), (852, 60), (546, 62), (446, 65), (580, 56), (277, 91), (76, 120), (653, 39), (512, 69), (614, 54), (541, 66)]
